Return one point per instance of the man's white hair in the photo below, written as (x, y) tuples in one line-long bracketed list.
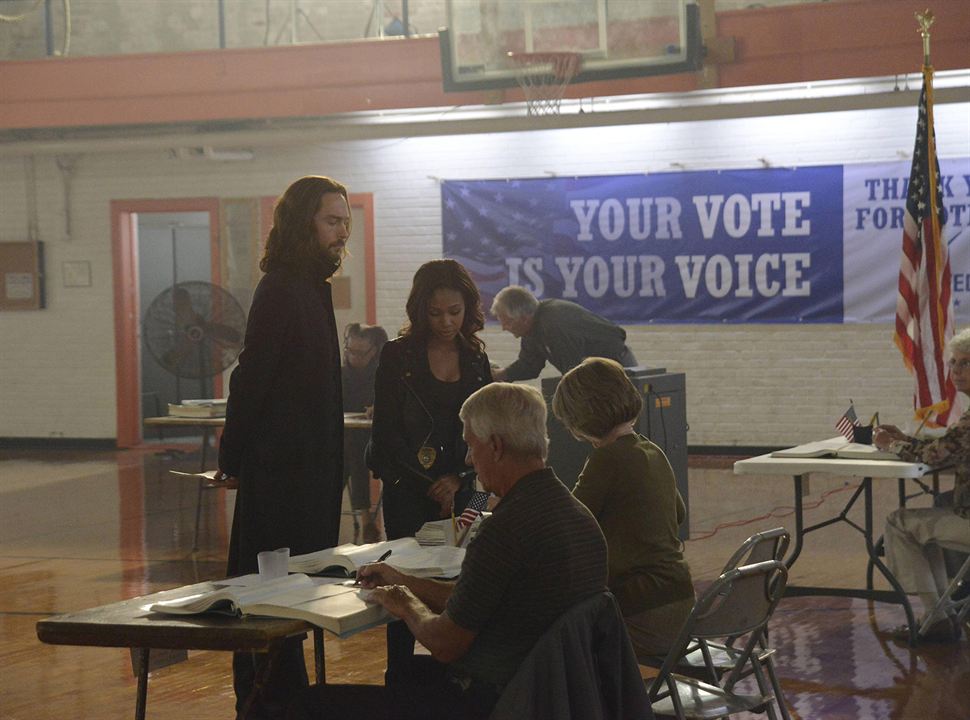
[(515, 301), (960, 342), (515, 413)]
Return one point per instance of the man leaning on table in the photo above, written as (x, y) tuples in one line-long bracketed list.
[(539, 554), (559, 332), (914, 536)]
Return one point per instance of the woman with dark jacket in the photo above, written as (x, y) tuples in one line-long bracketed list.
[(423, 378)]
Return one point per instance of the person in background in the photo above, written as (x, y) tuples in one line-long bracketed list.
[(913, 536), (423, 377), (558, 331), (518, 576), (629, 486), (362, 347), (282, 445)]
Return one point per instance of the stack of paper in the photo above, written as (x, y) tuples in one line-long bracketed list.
[(436, 532), (198, 408)]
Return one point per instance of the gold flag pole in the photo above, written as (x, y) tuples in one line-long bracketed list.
[(925, 20)]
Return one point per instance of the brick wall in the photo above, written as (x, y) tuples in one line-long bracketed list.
[(747, 384)]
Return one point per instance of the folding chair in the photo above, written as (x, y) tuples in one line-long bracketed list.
[(740, 602), (947, 604), (768, 545), (720, 658)]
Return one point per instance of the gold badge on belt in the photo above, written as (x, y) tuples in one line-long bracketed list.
[(426, 456)]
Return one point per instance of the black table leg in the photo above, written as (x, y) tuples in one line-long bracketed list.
[(321, 667), (141, 699), (198, 497), (799, 524), (874, 559)]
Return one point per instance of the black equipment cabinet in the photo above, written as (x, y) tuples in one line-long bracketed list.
[(663, 420)]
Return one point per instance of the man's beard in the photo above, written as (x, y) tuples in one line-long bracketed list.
[(326, 263)]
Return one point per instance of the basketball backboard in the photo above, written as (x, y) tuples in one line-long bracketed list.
[(616, 38)]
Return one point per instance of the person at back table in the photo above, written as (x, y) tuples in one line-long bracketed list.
[(539, 553), (913, 536), (416, 447), (362, 347), (629, 486), (283, 439), (556, 331)]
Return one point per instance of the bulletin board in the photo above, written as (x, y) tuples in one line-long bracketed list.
[(21, 276)]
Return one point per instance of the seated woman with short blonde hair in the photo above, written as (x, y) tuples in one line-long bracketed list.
[(629, 486)]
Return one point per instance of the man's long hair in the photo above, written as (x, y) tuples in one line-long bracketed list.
[(292, 241)]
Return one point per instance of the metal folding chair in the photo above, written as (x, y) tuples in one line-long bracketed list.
[(949, 604), (720, 658), (739, 603)]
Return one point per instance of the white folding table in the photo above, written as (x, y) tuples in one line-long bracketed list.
[(866, 470)]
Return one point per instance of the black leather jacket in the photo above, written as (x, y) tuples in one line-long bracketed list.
[(404, 412)]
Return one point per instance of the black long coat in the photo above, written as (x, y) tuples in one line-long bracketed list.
[(284, 422)]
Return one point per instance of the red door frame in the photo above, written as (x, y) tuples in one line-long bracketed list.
[(127, 312), (124, 251)]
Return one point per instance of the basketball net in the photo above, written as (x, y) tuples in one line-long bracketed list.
[(543, 78)]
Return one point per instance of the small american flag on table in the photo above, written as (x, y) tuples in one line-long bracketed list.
[(475, 507), (847, 422)]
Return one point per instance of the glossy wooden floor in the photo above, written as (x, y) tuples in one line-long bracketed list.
[(79, 529)]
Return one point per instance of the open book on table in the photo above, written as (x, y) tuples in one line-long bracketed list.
[(338, 607), (406, 555), (836, 447)]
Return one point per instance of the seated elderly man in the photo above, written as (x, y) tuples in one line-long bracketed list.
[(539, 554), (914, 536)]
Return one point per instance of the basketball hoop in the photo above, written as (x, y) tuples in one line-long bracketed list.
[(543, 77)]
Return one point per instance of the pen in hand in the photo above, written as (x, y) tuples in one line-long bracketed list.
[(382, 558)]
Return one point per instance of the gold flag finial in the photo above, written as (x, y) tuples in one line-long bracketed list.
[(925, 20)]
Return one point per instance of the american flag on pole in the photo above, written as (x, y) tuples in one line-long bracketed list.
[(475, 507), (847, 422), (924, 312)]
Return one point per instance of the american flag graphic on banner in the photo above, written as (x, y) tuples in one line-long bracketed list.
[(924, 309), (475, 507), (847, 422)]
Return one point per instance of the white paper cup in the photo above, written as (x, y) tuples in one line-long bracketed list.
[(273, 563)]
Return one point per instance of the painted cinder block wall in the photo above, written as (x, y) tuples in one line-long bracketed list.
[(747, 385)]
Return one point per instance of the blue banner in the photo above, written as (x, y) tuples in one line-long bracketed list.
[(745, 246), (818, 244)]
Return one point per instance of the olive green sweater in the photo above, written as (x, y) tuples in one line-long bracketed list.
[(629, 487)]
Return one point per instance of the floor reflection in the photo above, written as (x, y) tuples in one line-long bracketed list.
[(80, 529)]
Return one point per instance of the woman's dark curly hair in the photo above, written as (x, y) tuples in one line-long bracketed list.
[(450, 275), (292, 240)]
